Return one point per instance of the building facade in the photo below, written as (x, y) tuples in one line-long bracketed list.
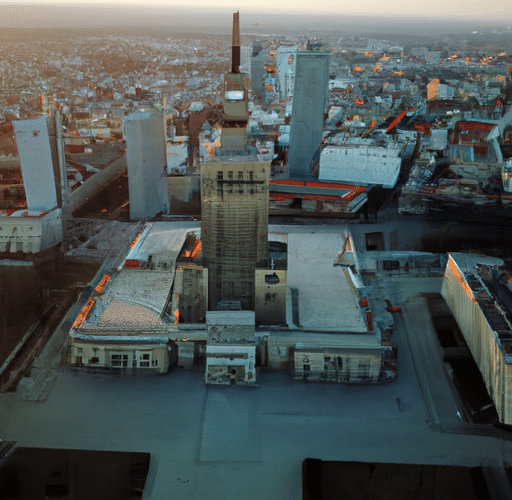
[(285, 68), (30, 231), (127, 323), (231, 348), (234, 228)]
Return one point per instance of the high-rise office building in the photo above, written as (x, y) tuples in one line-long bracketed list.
[(147, 164), (234, 227), (258, 60), (308, 109), (37, 162), (285, 66), (245, 58)]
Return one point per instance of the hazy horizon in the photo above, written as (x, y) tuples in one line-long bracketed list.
[(498, 9), (215, 20)]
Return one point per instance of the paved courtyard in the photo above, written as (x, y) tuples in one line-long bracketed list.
[(224, 442)]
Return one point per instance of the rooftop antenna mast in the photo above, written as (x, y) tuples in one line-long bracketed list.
[(235, 47)]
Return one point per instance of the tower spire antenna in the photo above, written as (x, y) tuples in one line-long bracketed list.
[(235, 44)]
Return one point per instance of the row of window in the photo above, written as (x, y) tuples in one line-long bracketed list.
[(142, 360), (230, 190), (220, 175)]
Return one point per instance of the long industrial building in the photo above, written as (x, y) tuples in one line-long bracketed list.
[(482, 305)]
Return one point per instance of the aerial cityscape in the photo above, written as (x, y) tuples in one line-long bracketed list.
[(255, 253)]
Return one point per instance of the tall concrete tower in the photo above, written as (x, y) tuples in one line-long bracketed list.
[(258, 60), (308, 109), (147, 164), (235, 44), (236, 111), (37, 162), (234, 227)]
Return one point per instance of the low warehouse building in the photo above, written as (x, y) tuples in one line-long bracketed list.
[(312, 315), (481, 304), (126, 324)]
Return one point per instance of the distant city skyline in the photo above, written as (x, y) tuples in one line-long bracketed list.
[(494, 12)]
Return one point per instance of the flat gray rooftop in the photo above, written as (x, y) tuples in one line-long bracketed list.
[(162, 240), (327, 301)]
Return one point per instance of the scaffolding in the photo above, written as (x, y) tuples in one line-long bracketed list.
[(234, 228)]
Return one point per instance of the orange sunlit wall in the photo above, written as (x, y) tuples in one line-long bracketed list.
[(432, 89), (85, 312)]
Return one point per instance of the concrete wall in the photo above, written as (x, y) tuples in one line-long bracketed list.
[(337, 365), (270, 298), (230, 326), (182, 187), (234, 138), (95, 183)]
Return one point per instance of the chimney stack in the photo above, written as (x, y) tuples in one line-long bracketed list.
[(235, 47)]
